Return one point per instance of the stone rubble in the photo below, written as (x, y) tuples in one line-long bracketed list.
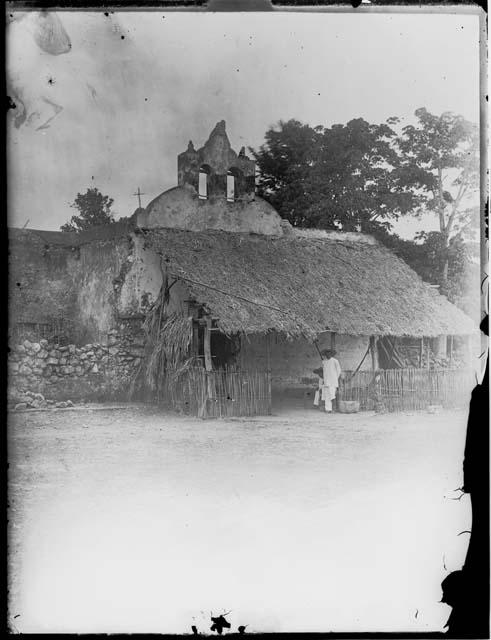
[(43, 374)]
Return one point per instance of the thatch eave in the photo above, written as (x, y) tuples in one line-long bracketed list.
[(303, 286)]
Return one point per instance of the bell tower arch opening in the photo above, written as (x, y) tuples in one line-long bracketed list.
[(235, 187), (215, 171), (203, 181)]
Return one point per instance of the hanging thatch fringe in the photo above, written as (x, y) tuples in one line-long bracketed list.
[(168, 341)]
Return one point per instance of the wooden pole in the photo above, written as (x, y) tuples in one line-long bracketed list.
[(195, 344), (207, 345), (373, 343), (421, 348), (451, 351), (268, 373), (428, 355), (333, 340), (318, 350), (208, 361)]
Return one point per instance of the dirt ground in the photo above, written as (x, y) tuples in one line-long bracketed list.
[(131, 520)]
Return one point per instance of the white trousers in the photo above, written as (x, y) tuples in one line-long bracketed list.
[(327, 394)]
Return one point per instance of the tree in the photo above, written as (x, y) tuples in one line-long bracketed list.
[(427, 253), (94, 209), (365, 176), (340, 177), (284, 163), (440, 164)]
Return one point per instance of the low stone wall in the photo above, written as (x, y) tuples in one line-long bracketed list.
[(100, 371)]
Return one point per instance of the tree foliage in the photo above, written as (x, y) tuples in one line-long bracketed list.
[(440, 164), (333, 178), (361, 176), (94, 210), (427, 255), (285, 162)]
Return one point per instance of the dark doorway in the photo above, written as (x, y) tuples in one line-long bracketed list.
[(388, 355), (223, 350)]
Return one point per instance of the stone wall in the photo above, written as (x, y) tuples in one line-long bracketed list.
[(40, 286), (85, 288), (95, 371), (97, 279)]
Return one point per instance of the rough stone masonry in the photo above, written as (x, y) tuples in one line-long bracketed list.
[(42, 372)]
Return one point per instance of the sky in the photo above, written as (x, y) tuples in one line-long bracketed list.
[(111, 100)]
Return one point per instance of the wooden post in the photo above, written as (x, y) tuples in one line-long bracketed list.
[(333, 340), (428, 355), (421, 349), (207, 345), (373, 345), (450, 350), (195, 344), (268, 352), (208, 360), (439, 346)]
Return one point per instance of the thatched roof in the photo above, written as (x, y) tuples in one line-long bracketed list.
[(302, 284)]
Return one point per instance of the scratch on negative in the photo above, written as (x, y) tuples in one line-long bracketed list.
[(57, 109)]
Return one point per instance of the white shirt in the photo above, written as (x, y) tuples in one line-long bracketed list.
[(332, 371)]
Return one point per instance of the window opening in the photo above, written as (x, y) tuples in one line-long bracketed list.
[(203, 185), (230, 187)]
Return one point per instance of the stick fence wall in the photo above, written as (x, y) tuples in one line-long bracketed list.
[(408, 389), (217, 394), (228, 393)]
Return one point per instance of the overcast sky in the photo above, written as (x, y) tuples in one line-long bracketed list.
[(114, 112)]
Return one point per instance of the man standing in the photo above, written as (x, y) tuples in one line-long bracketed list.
[(331, 372)]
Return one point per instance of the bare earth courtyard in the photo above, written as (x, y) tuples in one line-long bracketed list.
[(297, 521)]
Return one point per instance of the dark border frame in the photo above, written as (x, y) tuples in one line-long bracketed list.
[(471, 609)]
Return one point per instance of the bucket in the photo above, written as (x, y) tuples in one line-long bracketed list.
[(348, 406)]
